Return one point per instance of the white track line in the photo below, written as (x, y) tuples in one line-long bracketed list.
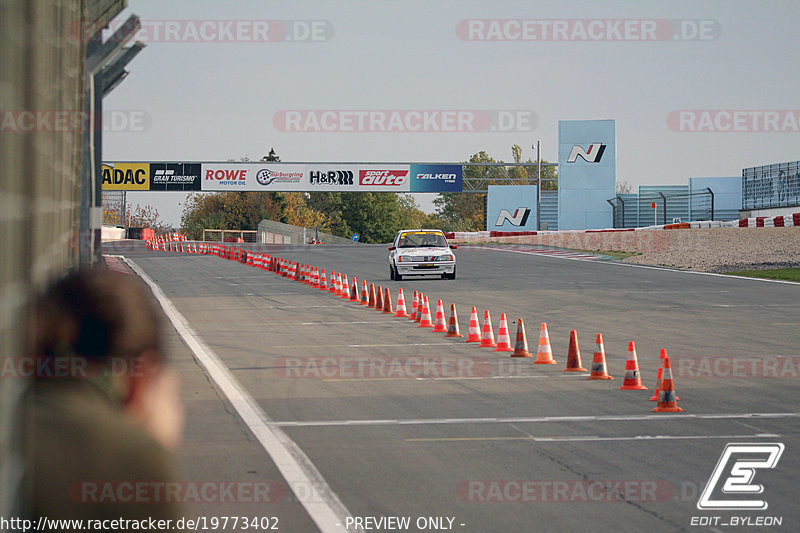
[(531, 419), (322, 505), (649, 267), (595, 438)]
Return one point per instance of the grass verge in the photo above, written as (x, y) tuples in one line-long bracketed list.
[(784, 274)]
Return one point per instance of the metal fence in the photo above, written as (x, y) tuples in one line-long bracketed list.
[(272, 232), (229, 235), (775, 185), (652, 208), (478, 176), (114, 206)]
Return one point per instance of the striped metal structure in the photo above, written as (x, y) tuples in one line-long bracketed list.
[(42, 82), (775, 185)]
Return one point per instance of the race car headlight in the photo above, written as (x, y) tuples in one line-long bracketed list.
[(402, 258), (447, 257)]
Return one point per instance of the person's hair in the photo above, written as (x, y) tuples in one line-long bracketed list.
[(96, 314)]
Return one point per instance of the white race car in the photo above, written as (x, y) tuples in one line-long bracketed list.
[(421, 252)]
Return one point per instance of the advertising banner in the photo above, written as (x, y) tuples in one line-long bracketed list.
[(331, 177), (273, 176), (126, 176), (511, 208), (175, 176), (587, 173), (436, 178), (252, 177)]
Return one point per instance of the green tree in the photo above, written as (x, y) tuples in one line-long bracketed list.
[(330, 203), (374, 216), (227, 210), (297, 212)]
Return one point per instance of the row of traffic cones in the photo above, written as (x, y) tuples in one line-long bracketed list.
[(380, 299)]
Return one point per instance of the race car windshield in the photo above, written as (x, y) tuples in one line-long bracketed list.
[(422, 240)]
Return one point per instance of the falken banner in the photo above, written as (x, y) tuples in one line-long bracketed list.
[(272, 176)]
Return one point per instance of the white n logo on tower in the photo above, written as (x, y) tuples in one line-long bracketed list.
[(592, 155), (519, 218)]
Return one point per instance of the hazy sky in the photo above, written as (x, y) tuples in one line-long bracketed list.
[(216, 82)]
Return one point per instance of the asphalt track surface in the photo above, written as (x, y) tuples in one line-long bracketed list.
[(399, 421)]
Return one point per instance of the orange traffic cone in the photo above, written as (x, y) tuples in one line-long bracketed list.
[(439, 325), (364, 294), (354, 292), (474, 328), (338, 289), (574, 357), (521, 346), (420, 305), (658, 375), (667, 398), (503, 338), (414, 307), (401, 304), (544, 355), (379, 299), (345, 289), (487, 335), (371, 300), (452, 324), (425, 316), (323, 281), (633, 379), (599, 368), (315, 277), (387, 301), (332, 283)]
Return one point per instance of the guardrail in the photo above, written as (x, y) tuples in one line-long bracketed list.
[(753, 222)]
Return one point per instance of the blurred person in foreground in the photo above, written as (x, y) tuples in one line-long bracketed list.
[(103, 413)]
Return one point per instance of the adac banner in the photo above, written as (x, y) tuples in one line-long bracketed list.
[(330, 177), (126, 176)]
